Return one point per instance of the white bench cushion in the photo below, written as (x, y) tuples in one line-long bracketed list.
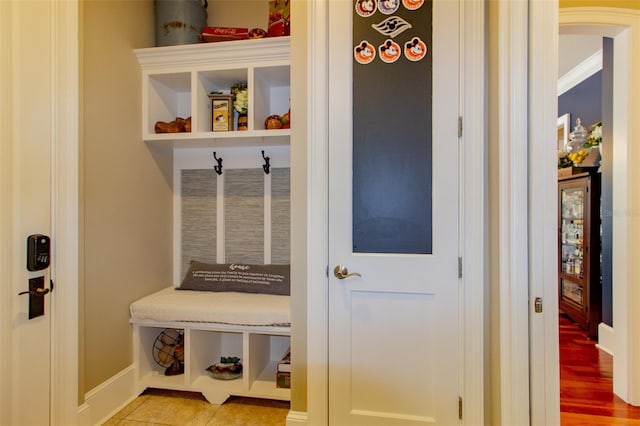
[(171, 305)]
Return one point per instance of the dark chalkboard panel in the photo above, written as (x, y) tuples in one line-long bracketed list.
[(392, 138)]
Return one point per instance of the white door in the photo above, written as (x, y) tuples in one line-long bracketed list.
[(394, 329), (26, 202)]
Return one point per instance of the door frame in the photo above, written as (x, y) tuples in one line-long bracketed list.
[(473, 180), (623, 26), (64, 300), (541, 175), (5, 224), (511, 116), (66, 223)]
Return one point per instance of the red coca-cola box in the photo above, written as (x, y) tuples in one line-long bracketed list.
[(210, 34)]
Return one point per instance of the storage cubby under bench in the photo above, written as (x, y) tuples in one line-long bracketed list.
[(253, 327)]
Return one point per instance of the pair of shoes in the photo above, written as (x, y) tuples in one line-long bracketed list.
[(179, 125)]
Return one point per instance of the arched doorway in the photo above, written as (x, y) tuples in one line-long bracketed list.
[(623, 26)]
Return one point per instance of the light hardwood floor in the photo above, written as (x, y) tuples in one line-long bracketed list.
[(164, 407)]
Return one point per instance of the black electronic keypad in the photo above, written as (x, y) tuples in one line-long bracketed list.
[(38, 252)]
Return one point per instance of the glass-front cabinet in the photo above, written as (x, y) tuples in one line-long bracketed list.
[(580, 289)]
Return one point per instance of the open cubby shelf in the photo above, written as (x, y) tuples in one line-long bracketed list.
[(259, 349), (176, 82)]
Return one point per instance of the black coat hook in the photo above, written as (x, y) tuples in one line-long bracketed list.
[(266, 166), (217, 168)]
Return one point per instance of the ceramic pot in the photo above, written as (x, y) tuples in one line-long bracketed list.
[(243, 122)]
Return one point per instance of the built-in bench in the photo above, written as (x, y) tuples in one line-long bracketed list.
[(252, 327), (241, 215)]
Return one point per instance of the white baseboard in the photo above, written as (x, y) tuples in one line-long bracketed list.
[(606, 338), (106, 399), (84, 415), (297, 418)]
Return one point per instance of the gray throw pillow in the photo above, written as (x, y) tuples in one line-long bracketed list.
[(240, 277)]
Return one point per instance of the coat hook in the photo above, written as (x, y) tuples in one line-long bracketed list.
[(217, 168), (266, 166)]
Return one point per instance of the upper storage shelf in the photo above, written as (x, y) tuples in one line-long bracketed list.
[(177, 81)]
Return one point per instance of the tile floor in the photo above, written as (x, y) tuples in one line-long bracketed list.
[(165, 407)]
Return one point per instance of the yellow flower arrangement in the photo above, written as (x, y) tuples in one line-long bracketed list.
[(595, 136)]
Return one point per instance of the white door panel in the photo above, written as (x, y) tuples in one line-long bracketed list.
[(394, 332)]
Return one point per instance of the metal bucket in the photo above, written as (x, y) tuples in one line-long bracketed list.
[(179, 21)]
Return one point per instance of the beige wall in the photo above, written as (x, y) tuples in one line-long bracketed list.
[(244, 14), (629, 4), (127, 198), (299, 225)]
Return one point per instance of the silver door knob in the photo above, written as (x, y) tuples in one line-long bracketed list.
[(341, 272)]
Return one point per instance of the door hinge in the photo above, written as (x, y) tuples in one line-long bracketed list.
[(460, 407), (459, 126), (327, 271), (460, 267)]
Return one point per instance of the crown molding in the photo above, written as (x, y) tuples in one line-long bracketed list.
[(187, 56), (580, 73)]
